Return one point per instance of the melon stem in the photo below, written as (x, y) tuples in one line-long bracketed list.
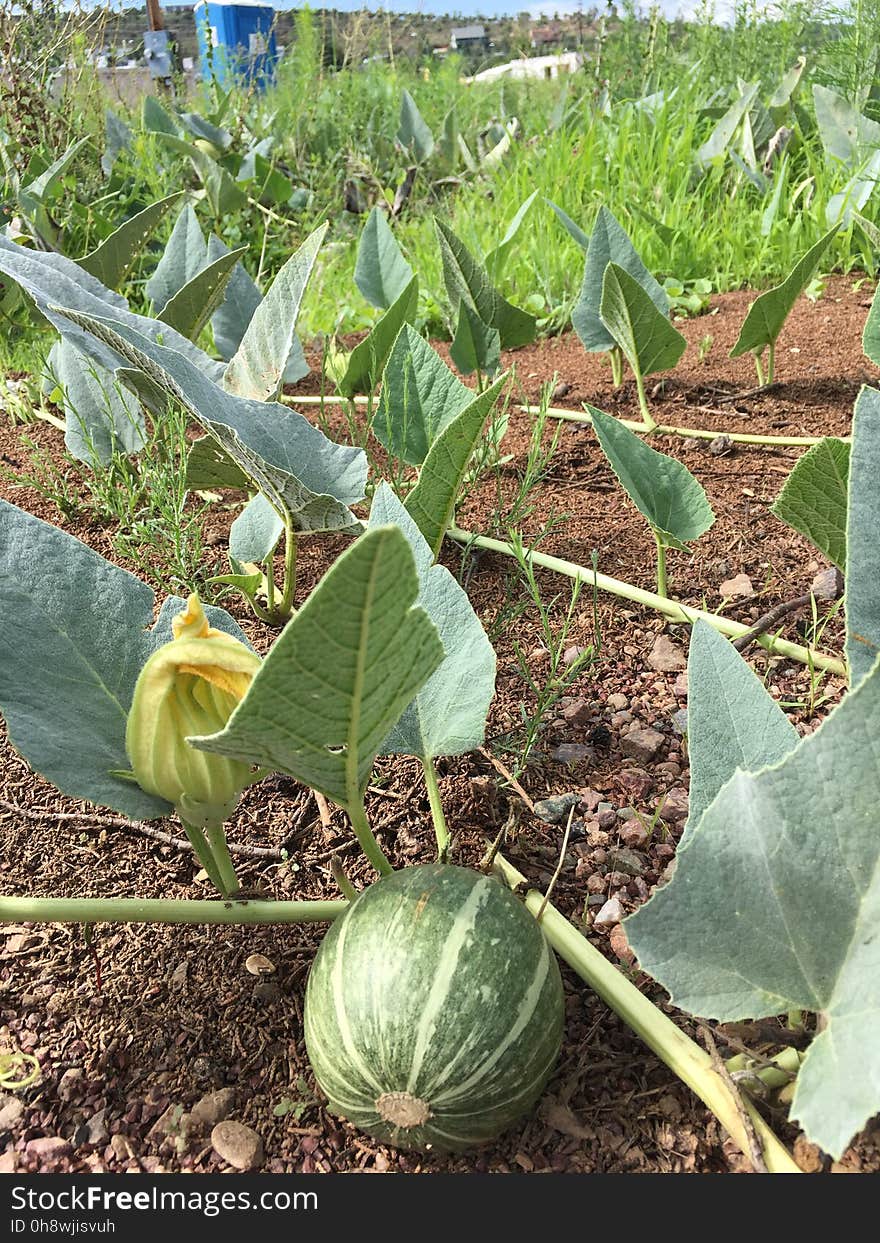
[(441, 831), (692, 1064)]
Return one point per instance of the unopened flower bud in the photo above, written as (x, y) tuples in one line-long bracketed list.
[(190, 686)]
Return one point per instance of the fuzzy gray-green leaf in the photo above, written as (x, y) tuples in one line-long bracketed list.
[(609, 243), (381, 273), (813, 499), (644, 334), (862, 544)]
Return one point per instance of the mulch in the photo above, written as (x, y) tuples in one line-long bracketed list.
[(133, 1026)]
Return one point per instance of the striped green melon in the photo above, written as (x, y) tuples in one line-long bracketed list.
[(434, 1009)]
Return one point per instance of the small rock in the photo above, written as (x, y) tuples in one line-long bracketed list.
[(70, 1084), (266, 991), (626, 813), (680, 686), (808, 1156), (636, 782), (828, 584), (679, 721), (11, 1110), (570, 655), (259, 964), (606, 818), (611, 913), (573, 753), (168, 1123), (620, 945), (620, 719), (578, 712), (48, 1148), (642, 744), (720, 446), (634, 834), (213, 1107), (674, 807), (740, 586), (665, 657), (8, 1161), (622, 859), (562, 389), (237, 1145), (120, 1147), (554, 810), (590, 801), (617, 702), (96, 1128)]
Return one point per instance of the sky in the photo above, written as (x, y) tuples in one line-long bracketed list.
[(468, 8)]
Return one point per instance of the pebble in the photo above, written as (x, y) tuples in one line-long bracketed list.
[(680, 686), (665, 657), (591, 800), (679, 721), (620, 718), (620, 945), (48, 1148), (258, 964), (611, 913), (720, 446), (96, 1128), (213, 1107), (606, 818), (577, 713), (622, 859), (617, 702), (11, 1110), (636, 782), (675, 806), (828, 584), (739, 586), (237, 1145), (572, 753), (554, 810), (626, 813), (119, 1147), (70, 1084), (642, 744), (570, 655), (634, 834)]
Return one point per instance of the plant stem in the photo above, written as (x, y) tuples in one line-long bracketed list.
[(672, 609), (661, 564), (216, 836), (441, 831), (204, 855), (616, 356), (759, 368), (285, 608), (771, 361), (581, 416), (682, 1055), (165, 911), (360, 824), (649, 421)]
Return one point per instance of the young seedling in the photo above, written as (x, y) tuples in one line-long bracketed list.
[(767, 314), (662, 489)]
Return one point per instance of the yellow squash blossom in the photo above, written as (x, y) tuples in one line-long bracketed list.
[(190, 686)]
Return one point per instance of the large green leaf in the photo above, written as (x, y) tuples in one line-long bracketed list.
[(367, 360), (573, 230), (735, 933), (255, 533), (662, 489), (871, 332), (467, 280), (53, 281), (117, 136), (420, 396), (184, 256), (848, 202), (846, 134), (101, 416), (241, 298), (431, 504), (645, 335), (718, 143), (448, 715), (413, 133), (498, 256), (813, 499), (73, 638), (609, 243), (200, 128), (192, 306), (270, 341), (113, 259), (381, 273), (862, 544), (733, 723), (341, 673), (476, 345), (223, 195), (300, 471), (763, 323), (155, 119)]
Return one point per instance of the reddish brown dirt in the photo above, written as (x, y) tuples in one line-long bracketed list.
[(155, 1017)]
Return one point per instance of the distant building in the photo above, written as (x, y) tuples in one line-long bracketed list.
[(468, 39), (547, 36), (532, 67)]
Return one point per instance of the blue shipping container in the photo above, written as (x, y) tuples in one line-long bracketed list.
[(236, 42)]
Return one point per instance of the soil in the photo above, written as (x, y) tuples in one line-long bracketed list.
[(133, 1025)]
